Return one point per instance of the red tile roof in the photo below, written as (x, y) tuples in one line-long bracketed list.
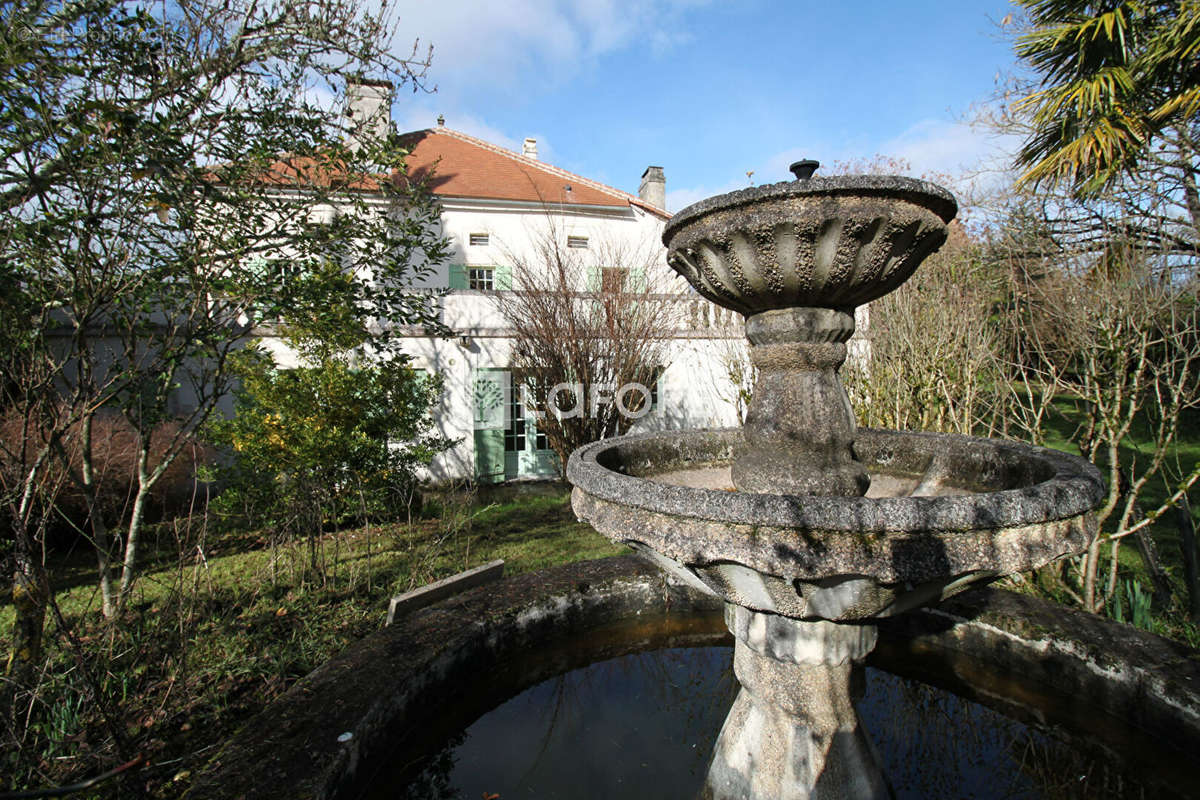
[(458, 165), (455, 164)]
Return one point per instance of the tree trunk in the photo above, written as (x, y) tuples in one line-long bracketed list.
[(1160, 582), (100, 538), (30, 586), (1191, 569), (137, 514), (1091, 562), (129, 565), (1191, 195), (30, 590)]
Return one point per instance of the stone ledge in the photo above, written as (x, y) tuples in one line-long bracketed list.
[(409, 602)]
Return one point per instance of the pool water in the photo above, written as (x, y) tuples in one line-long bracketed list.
[(643, 725)]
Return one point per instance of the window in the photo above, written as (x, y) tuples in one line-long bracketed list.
[(658, 373), (514, 434), (577, 242), (539, 391), (481, 278), (495, 277), (478, 239)]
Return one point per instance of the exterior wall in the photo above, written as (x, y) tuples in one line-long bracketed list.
[(515, 230), (695, 391)]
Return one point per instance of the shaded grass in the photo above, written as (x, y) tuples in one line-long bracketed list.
[(1135, 451), (211, 639)]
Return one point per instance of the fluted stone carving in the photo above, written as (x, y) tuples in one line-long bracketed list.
[(823, 243), (796, 258)]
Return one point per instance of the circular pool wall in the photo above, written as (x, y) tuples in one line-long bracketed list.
[(433, 672)]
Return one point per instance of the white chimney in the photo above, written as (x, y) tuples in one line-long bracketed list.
[(530, 149), (369, 107), (654, 187)]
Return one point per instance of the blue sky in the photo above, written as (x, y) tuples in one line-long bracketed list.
[(711, 90)]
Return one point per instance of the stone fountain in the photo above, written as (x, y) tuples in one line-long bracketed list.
[(810, 529)]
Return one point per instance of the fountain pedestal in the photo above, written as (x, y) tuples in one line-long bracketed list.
[(800, 426), (793, 732), (803, 559)]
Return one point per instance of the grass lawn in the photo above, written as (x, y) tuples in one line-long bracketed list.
[(1169, 618), (1135, 452), (222, 624)]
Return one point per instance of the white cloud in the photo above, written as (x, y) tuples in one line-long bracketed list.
[(970, 159), (412, 117), (678, 199), (952, 148), (485, 44)]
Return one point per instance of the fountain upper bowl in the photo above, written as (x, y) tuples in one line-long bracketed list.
[(835, 242)]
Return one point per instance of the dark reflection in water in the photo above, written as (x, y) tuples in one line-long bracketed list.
[(644, 725)]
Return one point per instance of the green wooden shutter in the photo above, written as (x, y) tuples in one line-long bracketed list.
[(489, 456), (636, 281), (487, 393), (502, 279), (593, 279), (458, 276)]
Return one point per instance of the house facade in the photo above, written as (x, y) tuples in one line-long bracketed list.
[(500, 210)]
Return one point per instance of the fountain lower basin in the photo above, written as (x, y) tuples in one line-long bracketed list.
[(806, 578), (641, 727), (1128, 691), (944, 511)]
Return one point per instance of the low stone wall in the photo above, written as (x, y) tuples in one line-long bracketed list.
[(413, 670), (1134, 693), (437, 668)]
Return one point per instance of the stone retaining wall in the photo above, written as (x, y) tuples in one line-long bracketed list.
[(436, 669)]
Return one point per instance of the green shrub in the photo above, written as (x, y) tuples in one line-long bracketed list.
[(316, 446)]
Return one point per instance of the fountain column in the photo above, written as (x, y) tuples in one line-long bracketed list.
[(800, 426), (793, 732)]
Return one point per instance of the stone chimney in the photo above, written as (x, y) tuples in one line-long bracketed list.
[(654, 187), (369, 108), (529, 149)]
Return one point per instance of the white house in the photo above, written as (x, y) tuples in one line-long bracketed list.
[(497, 208)]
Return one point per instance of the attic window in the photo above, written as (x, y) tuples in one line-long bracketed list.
[(579, 242), (479, 239)]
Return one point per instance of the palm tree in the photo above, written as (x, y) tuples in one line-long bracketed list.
[(1116, 77)]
